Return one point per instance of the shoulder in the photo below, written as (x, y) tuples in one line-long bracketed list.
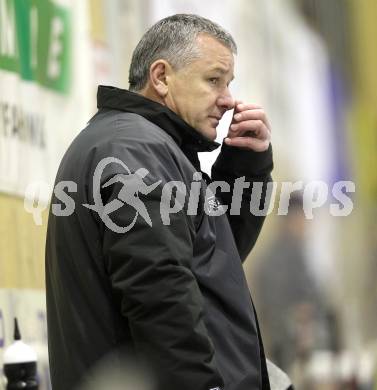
[(138, 143), (128, 126)]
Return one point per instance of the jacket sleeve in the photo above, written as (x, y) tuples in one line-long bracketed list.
[(233, 163), (156, 291)]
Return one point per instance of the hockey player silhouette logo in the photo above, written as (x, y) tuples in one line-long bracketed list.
[(133, 185)]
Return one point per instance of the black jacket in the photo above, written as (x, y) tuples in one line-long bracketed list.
[(172, 295)]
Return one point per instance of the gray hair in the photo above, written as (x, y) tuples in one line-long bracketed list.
[(174, 40)]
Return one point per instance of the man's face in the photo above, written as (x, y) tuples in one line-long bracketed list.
[(199, 92)]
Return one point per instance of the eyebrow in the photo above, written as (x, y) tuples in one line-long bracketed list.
[(221, 70)]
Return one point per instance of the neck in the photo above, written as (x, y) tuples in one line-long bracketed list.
[(151, 94)]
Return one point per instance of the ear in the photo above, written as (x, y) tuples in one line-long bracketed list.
[(158, 77)]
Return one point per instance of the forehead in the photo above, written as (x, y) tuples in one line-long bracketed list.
[(214, 55)]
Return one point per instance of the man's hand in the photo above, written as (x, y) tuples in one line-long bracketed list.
[(250, 128)]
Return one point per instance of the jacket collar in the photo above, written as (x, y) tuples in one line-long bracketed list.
[(184, 135)]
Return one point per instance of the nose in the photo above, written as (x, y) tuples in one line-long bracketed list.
[(225, 100)]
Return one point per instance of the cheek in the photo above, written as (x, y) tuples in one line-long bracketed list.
[(208, 100), (203, 109), (197, 102)]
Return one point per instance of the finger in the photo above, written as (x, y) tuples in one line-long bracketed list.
[(248, 106), (247, 113), (257, 127), (251, 114), (257, 114), (250, 134), (236, 104), (250, 143)]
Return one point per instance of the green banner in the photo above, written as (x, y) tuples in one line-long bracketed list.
[(35, 42)]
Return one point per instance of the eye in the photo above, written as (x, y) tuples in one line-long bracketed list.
[(214, 80)]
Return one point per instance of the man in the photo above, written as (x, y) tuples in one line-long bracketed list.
[(167, 291), (291, 307)]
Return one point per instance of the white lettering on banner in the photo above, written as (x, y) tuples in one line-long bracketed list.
[(7, 29), (33, 36), (41, 109), (55, 49)]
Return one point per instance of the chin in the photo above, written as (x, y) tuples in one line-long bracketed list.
[(209, 133), (213, 135)]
